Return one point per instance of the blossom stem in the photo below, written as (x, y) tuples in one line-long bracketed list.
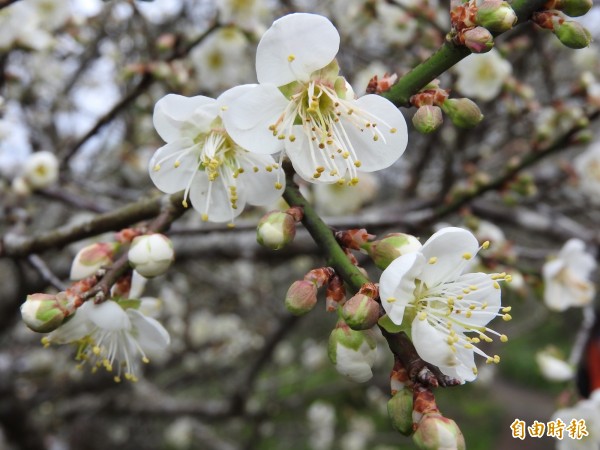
[(446, 57)]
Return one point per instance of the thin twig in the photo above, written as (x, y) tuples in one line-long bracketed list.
[(42, 268)]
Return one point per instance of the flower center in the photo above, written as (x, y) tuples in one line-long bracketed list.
[(324, 117)]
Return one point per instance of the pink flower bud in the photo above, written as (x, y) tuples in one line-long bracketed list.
[(463, 112), (44, 313), (435, 432), (275, 230), (91, 258), (301, 297), (496, 15), (427, 119), (478, 40), (361, 312), (400, 408)]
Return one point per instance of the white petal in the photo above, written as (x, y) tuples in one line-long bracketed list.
[(219, 208), (485, 293), (295, 46), (553, 368), (230, 95), (248, 118), (448, 248), (552, 268), (173, 114), (170, 179), (306, 159), (397, 283), (574, 254), (377, 155), (260, 186), (151, 335), (75, 328), (354, 364), (109, 315)]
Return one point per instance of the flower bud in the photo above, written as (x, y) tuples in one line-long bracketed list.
[(435, 432), (275, 230), (352, 352), (41, 169), (574, 8), (427, 119), (91, 258), (496, 15), (151, 254), (392, 246), (301, 297), (572, 34), (361, 312), (400, 408), (44, 313), (478, 40), (463, 112)]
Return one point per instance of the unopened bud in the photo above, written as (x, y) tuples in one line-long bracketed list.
[(392, 246), (435, 432), (352, 352), (151, 254), (400, 408), (44, 313), (478, 40), (301, 297), (572, 34), (275, 230), (496, 15), (573, 8), (463, 112), (361, 312), (427, 119), (40, 169), (91, 258)]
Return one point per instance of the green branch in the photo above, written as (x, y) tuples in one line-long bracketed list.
[(446, 57)]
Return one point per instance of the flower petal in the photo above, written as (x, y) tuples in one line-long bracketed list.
[(169, 178), (382, 153), (306, 157), (231, 95), (485, 301), (173, 115), (447, 253), (218, 207), (151, 335), (109, 316), (355, 364), (295, 46), (247, 119), (397, 284), (260, 185), (575, 256)]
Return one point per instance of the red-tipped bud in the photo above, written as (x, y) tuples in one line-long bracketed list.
[(275, 230), (478, 40), (435, 432), (361, 312), (400, 411), (427, 119), (572, 34), (392, 246), (496, 15), (301, 297), (91, 258), (463, 112)]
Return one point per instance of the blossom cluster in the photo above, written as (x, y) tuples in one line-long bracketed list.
[(219, 151)]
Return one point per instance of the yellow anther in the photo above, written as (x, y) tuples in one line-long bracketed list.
[(468, 314), (496, 359), (269, 169), (432, 260), (177, 164), (291, 57), (376, 138), (156, 168), (474, 370), (340, 182), (321, 145), (316, 175), (255, 169), (496, 285), (292, 138), (96, 350), (281, 137), (506, 317), (422, 315), (184, 203), (117, 379), (278, 185), (469, 346), (350, 111), (485, 245), (503, 338), (466, 290), (346, 155), (231, 225), (357, 163), (393, 130), (460, 297), (467, 256), (506, 309), (489, 360), (320, 169), (391, 300), (353, 181), (205, 217)]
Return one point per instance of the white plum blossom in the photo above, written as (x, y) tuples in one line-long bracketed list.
[(112, 337), (587, 166), (40, 170), (482, 75), (427, 292), (352, 352), (218, 176), (567, 277), (587, 410), (302, 106), (245, 14)]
